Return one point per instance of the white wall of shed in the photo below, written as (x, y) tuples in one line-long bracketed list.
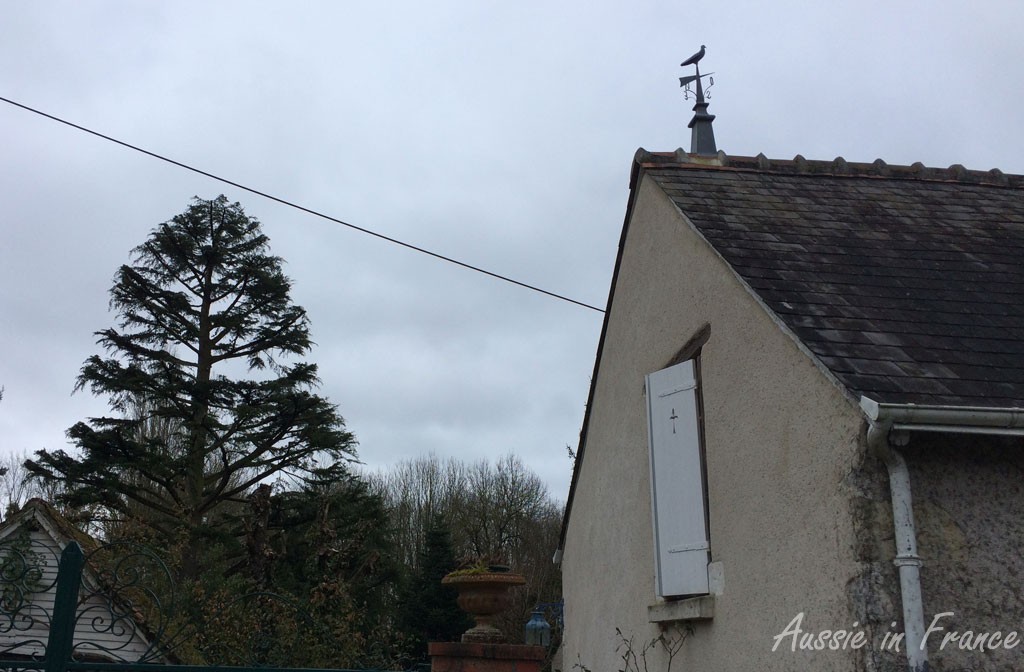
[(128, 644)]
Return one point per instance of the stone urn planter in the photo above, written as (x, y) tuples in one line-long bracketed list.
[(483, 595)]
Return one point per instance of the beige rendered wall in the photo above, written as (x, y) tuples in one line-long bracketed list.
[(969, 509), (782, 442)]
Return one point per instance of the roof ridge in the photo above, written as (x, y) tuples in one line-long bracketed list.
[(838, 167)]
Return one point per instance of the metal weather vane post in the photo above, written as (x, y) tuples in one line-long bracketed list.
[(702, 136)]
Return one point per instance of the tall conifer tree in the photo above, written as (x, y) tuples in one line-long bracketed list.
[(430, 612), (206, 347)]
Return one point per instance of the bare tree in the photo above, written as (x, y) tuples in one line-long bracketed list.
[(17, 485), (494, 510), (504, 500), (416, 490)]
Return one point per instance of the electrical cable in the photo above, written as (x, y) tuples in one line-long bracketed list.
[(302, 208)]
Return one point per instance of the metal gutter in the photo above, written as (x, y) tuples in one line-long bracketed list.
[(952, 419)]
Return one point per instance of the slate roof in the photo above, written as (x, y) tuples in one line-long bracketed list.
[(906, 282)]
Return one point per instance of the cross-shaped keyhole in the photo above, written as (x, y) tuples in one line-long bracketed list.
[(673, 419)]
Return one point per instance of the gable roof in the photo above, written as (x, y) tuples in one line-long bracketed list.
[(904, 283), (41, 513), (36, 536)]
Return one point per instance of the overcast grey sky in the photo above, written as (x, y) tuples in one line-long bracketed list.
[(497, 133)]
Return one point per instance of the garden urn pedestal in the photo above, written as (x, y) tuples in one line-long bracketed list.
[(483, 595)]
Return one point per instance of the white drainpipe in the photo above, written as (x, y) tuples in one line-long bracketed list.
[(891, 423), (907, 559)]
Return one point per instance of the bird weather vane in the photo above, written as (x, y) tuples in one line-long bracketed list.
[(702, 136), (685, 82)]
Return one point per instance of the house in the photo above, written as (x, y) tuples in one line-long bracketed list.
[(801, 448), (107, 628)]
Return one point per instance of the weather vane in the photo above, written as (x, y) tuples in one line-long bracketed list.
[(702, 136), (686, 81)]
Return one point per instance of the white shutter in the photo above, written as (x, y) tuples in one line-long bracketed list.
[(677, 483)]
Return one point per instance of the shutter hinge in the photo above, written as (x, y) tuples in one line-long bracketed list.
[(683, 548), (680, 388)]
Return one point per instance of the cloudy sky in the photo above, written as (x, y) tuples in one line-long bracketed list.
[(500, 134)]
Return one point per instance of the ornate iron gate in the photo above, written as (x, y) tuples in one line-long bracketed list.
[(111, 619)]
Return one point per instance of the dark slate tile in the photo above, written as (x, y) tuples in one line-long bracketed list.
[(909, 289)]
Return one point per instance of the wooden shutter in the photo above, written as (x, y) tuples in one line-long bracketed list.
[(677, 482)]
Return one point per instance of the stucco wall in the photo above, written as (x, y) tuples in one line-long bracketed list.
[(782, 443), (969, 508)]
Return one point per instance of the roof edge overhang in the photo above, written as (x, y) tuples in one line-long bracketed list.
[(948, 419), (641, 158)]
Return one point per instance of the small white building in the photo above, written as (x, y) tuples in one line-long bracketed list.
[(31, 543)]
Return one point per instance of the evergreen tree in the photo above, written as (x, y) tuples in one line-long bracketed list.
[(430, 612), (201, 302), (332, 551)]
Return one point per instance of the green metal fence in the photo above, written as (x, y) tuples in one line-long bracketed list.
[(56, 617)]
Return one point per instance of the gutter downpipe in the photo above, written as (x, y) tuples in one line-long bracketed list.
[(890, 424), (907, 560)]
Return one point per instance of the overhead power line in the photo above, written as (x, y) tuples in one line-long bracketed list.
[(310, 211)]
